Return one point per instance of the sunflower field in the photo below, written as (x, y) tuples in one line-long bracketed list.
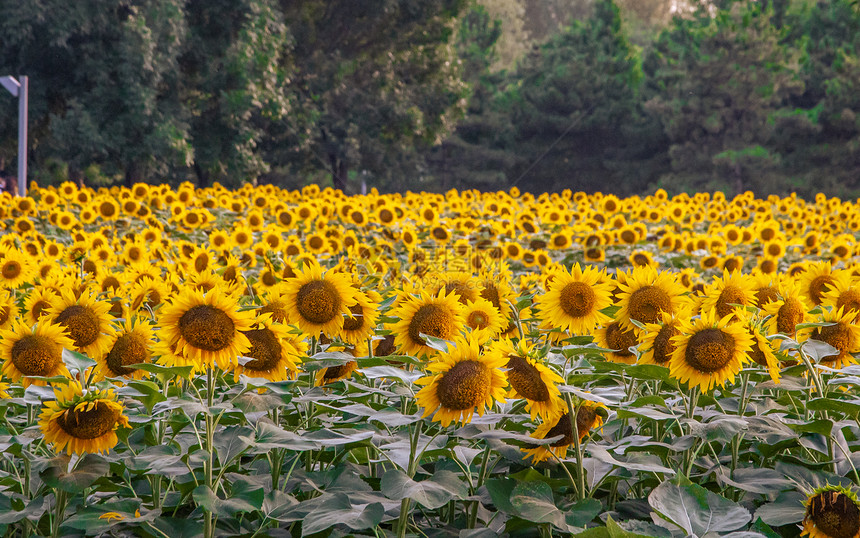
[(260, 362)]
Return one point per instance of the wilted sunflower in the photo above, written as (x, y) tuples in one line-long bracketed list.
[(274, 352), (318, 302), (574, 299), (483, 319), (657, 343), (206, 328), (644, 294), (36, 351), (80, 421), (832, 512), (86, 319), (843, 334), (529, 379), (440, 316), (709, 352), (461, 381), (132, 345), (589, 416), (618, 339)]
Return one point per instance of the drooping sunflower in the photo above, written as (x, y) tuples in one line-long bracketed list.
[(86, 319), (657, 346), (318, 302), (843, 334), (589, 416), (274, 352), (331, 374), (132, 345), (709, 351), (36, 351), (362, 318), (763, 350), (461, 381), (644, 294), (574, 299), (832, 512), (440, 316), (483, 319), (816, 281), (726, 292), (529, 378), (788, 311), (618, 339), (80, 421), (206, 328)]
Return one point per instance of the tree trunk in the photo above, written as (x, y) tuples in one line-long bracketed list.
[(132, 174), (339, 172), (202, 175)]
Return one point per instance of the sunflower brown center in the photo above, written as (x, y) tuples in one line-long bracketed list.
[(39, 308), (82, 324), (641, 259), (265, 350), (619, 340), (491, 293), (647, 302), (838, 336), (129, 348), (464, 386), (834, 514), (526, 380), (663, 346), (709, 350), (478, 320), (206, 327), (464, 291), (562, 427), (318, 301), (36, 355), (11, 270), (789, 315), (432, 319), (849, 300), (818, 287), (628, 236), (356, 320), (731, 295), (385, 346), (577, 299), (341, 370), (586, 416), (277, 309), (766, 295), (89, 424)]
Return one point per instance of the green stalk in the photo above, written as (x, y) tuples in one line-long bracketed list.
[(473, 515), (403, 520), (208, 522), (572, 411)]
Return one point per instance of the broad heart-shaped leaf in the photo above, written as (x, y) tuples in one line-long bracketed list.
[(245, 497), (269, 436), (614, 530), (87, 470), (695, 510), (432, 493), (533, 501), (33, 510), (816, 349), (231, 442), (339, 511), (786, 509), (436, 343), (75, 361)]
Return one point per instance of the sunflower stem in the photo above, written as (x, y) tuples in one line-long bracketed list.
[(573, 411), (482, 474), (208, 523), (403, 520)]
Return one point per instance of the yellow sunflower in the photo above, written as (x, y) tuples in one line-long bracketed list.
[(843, 334), (15, 269), (483, 319), (657, 346), (709, 352), (726, 292), (461, 381), (644, 294), (86, 319), (80, 421), (618, 339), (574, 299), (816, 281), (131, 345), (832, 512), (440, 316), (589, 416), (845, 293), (319, 302), (763, 350), (324, 376), (206, 328), (529, 378), (36, 351), (788, 311), (363, 317), (274, 352)]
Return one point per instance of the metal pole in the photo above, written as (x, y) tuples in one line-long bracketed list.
[(22, 136)]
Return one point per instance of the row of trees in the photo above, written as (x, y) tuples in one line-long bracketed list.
[(734, 95)]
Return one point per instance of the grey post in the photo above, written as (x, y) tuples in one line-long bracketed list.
[(21, 91)]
